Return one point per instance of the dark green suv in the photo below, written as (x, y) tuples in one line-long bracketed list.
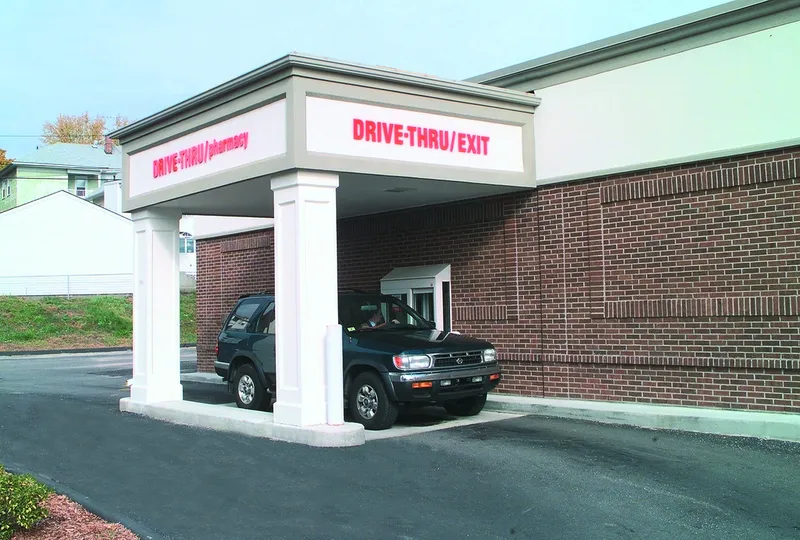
[(392, 356)]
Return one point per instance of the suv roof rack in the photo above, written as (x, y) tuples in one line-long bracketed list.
[(350, 289), (270, 293), (260, 293)]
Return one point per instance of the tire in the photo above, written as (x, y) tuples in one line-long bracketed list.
[(247, 388), (369, 402), (270, 395), (469, 406)]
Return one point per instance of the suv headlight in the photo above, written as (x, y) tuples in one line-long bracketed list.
[(490, 355), (412, 361)]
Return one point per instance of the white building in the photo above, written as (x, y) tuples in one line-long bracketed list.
[(61, 244)]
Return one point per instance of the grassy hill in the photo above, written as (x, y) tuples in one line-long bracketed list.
[(76, 323)]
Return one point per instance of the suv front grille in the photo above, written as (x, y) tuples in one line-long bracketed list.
[(466, 358)]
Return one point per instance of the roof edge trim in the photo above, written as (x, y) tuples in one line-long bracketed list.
[(338, 67), (65, 166), (61, 193), (648, 37)]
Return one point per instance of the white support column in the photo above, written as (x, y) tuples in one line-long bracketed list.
[(156, 307), (306, 298)]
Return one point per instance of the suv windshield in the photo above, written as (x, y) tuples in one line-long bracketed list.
[(375, 312)]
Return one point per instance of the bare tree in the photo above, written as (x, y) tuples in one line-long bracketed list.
[(79, 128), (3, 159)]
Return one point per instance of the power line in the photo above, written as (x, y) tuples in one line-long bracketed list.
[(32, 136)]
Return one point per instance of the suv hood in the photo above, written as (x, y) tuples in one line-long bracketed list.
[(422, 341)]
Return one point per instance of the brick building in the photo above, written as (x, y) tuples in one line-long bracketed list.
[(656, 260)]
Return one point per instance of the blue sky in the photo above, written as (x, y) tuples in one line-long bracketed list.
[(138, 57)]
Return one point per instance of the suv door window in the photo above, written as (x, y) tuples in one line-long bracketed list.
[(365, 312), (241, 317), (266, 322), (262, 340)]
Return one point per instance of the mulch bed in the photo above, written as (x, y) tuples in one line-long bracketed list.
[(67, 520)]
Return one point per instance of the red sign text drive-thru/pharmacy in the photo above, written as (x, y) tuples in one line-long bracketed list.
[(198, 154), (421, 137)]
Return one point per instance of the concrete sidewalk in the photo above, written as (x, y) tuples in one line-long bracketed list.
[(763, 425)]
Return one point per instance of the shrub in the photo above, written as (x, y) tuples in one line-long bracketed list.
[(21, 498)]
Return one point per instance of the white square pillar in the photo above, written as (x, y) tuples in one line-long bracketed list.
[(156, 307), (306, 300)]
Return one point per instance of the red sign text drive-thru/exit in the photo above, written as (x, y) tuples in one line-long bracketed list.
[(420, 137)]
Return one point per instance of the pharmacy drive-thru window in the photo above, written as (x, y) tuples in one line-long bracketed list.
[(307, 142)]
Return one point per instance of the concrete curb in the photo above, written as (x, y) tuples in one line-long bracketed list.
[(245, 422), (199, 377), (762, 425), (135, 527)]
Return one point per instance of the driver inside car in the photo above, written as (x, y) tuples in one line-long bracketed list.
[(376, 320)]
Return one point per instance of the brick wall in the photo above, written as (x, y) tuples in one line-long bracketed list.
[(227, 267), (677, 285)]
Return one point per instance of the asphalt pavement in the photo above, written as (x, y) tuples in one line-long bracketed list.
[(530, 477)]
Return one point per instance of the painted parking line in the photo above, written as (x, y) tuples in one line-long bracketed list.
[(436, 423)]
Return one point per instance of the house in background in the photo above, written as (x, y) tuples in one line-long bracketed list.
[(91, 172), (89, 248), (108, 195), (77, 189), (75, 168)]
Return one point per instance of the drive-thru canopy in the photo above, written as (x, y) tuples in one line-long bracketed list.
[(306, 141)]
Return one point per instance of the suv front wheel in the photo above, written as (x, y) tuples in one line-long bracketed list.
[(247, 388), (369, 402)]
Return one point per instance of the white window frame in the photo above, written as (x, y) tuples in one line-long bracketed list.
[(85, 182), (422, 279), (183, 245)]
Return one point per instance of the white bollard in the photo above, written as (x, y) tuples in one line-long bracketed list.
[(334, 383)]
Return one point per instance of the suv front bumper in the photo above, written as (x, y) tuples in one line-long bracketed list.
[(445, 384)]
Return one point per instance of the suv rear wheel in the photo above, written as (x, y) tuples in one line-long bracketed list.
[(469, 406), (369, 402), (247, 388)]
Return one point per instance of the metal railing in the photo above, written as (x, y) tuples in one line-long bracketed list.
[(66, 285)]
